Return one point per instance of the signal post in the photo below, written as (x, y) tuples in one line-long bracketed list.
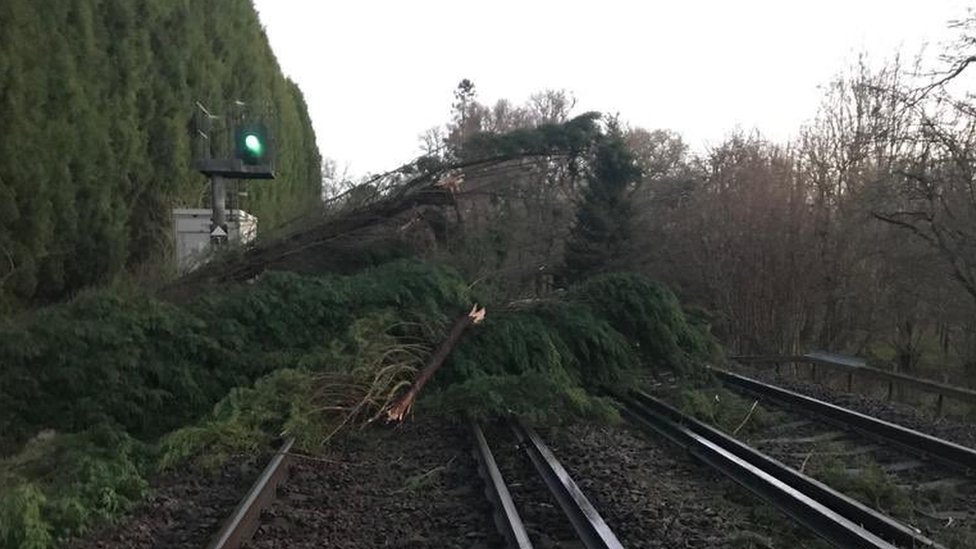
[(252, 160)]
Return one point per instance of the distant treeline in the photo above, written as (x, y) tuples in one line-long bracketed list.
[(97, 102), (859, 235)]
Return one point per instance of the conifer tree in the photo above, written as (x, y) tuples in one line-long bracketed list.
[(598, 239)]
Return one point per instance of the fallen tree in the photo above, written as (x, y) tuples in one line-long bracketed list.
[(280, 353), (426, 193)]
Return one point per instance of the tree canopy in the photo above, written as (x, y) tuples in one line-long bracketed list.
[(603, 220)]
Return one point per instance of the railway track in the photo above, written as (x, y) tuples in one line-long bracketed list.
[(830, 515), (931, 477), (953, 455), (535, 503), (241, 524), (525, 476), (912, 489), (538, 481)]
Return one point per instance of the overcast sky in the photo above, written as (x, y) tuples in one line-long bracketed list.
[(376, 74)]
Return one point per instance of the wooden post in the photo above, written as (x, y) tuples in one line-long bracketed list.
[(850, 382), (938, 407), (891, 388)]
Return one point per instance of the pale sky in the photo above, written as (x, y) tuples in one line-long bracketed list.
[(377, 73)]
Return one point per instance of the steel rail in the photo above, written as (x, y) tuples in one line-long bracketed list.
[(838, 519), (944, 451), (855, 366), (507, 520), (241, 525), (589, 525)]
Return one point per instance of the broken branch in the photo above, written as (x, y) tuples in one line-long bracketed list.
[(402, 406)]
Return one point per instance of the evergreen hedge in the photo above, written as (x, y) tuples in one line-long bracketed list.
[(97, 101)]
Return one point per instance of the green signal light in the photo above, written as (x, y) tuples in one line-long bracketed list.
[(253, 144)]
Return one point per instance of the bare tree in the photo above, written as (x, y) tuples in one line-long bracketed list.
[(551, 106), (930, 190)]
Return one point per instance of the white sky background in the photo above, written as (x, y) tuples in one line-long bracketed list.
[(376, 74)]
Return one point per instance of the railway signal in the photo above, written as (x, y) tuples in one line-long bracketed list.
[(252, 144), (251, 157)]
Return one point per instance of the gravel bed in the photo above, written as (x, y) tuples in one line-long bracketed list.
[(908, 416), (185, 509), (410, 487), (654, 495)]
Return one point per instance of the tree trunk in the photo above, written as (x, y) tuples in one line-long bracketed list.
[(402, 405)]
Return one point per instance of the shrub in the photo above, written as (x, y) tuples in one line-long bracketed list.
[(137, 362), (21, 525), (59, 484)]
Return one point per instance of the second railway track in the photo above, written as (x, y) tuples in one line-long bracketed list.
[(930, 480), (863, 454), (830, 515)]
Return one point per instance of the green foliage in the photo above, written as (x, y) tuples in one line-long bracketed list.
[(59, 484), (538, 363), (562, 340), (534, 396), (290, 311), (341, 386), (598, 239), (327, 353), (574, 137), (151, 367), (541, 361), (870, 485), (140, 363), (96, 113), (246, 420), (647, 314), (21, 525)]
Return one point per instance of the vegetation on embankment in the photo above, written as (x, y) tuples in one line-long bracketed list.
[(104, 379), (97, 103)]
